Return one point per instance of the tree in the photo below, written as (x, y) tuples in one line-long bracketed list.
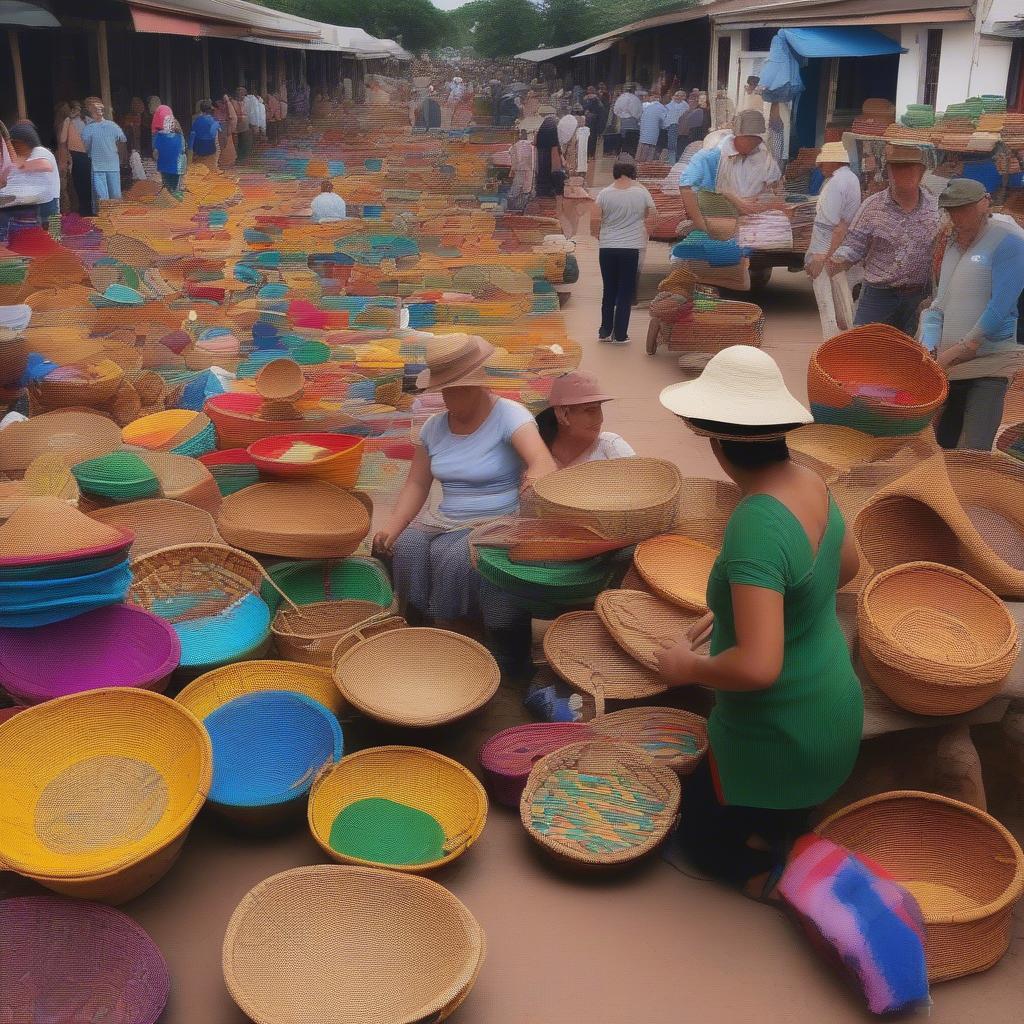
[(567, 21), (496, 28)]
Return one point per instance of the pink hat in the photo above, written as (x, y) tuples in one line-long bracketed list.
[(576, 388)]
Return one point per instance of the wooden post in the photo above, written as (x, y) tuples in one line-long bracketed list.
[(103, 60), (204, 45), (263, 71), (19, 80), (241, 70)]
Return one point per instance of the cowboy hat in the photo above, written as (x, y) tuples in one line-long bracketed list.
[(455, 360)]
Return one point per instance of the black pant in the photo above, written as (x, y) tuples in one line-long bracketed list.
[(630, 140), (81, 178), (618, 274), (973, 411), (714, 836)]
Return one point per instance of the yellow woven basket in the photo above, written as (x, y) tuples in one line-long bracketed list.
[(677, 569), (99, 790), (411, 776)]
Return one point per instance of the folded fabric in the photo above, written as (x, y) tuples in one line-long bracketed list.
[(867, 919)]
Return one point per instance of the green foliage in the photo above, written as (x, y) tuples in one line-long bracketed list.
[(496, 28), (567, 21)]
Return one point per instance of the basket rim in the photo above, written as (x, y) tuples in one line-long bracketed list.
[(479, 820), (1013, 891), (206, 683), (669, 494)]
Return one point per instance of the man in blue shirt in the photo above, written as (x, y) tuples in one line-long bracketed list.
[(674, 110), (103, 140), (202, 139), (652, 123)]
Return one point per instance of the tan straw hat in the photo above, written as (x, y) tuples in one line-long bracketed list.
[(833, 153), (904, 154), (452, 360), (742, 386)]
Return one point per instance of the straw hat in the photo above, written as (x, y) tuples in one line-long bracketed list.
[(904, 154), (741, 385), (576, 388), (833, 153), (452, 360)]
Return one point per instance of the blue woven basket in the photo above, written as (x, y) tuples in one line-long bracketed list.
[(201, 444), (28, 603), (235, 634)]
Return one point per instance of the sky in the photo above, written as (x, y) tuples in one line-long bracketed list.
[(449, 5)]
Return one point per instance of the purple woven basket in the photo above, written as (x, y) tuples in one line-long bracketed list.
[(65, 961), (508, 756), (119, 645)]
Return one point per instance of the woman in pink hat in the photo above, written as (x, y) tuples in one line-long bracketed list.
[(571, 424)]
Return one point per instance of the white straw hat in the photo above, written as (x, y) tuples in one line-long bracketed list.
[(742, 386)]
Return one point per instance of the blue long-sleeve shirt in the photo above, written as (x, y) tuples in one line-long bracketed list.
[(652, 120), (169, 146)]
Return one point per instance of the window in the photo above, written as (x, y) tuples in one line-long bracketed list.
[(760, 39), (933, 55), (724, 55)]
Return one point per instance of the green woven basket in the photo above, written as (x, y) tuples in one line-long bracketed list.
[(120, 476), (305, 582)]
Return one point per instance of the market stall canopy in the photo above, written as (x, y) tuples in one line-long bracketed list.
[(590, 51), (27, 14), (842, 41)]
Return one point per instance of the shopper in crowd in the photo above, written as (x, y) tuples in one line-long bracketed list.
[(786, 726), (227, 120), (202, 139), (74, 158), (628, 109), (971, 324), (551, 175), (169, 149), (243, 135), (751, 98), (32, 175), (893, 236), (328, 206), (626, 213), (694, 125), (104, 142), (160, 115), (255, 112), (596, 120), (674, 111), (653, 121)]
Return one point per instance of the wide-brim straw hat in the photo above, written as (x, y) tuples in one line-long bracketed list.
[(741, 385), (49, 529), (833, 153), (455, 360)]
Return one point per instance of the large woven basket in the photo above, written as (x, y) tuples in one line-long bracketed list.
[(59, 954), (309, 633), (350, 945), (356, 578), (409, 776), (677, 569), (160, 523), (876, 379), (669, 736), (508, 757), (334, 458), (74, 435), (622, 499), (935, 640), (599, 803), (89, 385), (95, 806), (641, 624), (830, 450), (963, 867), (417, 677)]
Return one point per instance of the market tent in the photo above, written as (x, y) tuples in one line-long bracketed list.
[(846, 41)]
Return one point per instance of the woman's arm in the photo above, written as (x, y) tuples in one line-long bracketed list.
[(411, 499), (754, 663), (534, 452), (849, 560)]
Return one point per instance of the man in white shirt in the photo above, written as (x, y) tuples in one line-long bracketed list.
[(837, 205), (328, 206), (629, 109), (253, 112)]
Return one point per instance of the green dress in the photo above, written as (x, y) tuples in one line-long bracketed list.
[(793, 744)]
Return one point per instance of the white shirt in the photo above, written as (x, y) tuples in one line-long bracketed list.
[(251, 106), (42, 184), (838, 202), (628, 107), (746, 176), (608, 446), (328, 206)]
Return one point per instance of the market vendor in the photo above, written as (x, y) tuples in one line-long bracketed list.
[(837, 205), (30, 174), (786, 726), (740, 168), (971, 324), (482, 450), (571, 424)]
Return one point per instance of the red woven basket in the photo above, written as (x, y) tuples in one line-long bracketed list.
[(508, 757)]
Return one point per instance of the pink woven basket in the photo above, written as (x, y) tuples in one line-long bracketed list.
[(508, 757)]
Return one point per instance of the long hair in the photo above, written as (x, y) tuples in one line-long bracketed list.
[(547, 424)]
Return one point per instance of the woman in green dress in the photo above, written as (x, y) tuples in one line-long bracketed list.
[(785, 730)]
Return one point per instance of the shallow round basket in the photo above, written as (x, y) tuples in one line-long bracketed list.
[(428, 783), (239, 421), (669, 736), (114, 646), (934, 640), (181, 431), (96, 806), (183, 478), (349, 945), (119, 476), (294, 519), (622, 499), (677, 569), (599, 804), (310, 632), (876, 379), (94, 384), (160, 523), (334, 458), (66, 954), (642, 623), (417, 677), (74, 435), (508, 757), (961, 865), (356, 578)]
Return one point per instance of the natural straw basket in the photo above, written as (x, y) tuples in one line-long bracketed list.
[(677, 569), (962, 866), (432, 677), (641, 623), (75, 436), (508, 757), (829, 449), (705, 513), (934, 640), (160, 523), (95, 806), (622, 499), (599, 803), (349, 945), (310, 633), (668, 736), (411, 776)]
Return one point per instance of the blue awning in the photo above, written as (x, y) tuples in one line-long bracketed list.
[(840, 42)]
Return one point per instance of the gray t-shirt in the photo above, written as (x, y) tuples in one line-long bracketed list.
[(622, 216)]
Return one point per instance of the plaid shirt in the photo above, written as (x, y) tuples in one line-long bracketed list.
[(895, 246)]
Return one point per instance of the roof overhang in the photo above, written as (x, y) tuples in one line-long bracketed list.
[(27, 14)]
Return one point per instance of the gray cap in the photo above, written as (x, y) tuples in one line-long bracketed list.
[(749, 122), (961, 192)]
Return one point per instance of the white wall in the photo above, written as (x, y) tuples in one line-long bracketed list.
[(992, 67), (910, 81), (955, 65)]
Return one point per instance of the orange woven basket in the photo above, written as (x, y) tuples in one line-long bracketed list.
[(677, 569)]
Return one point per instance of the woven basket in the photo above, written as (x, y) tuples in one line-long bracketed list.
[(599, 803), (232, 469), (305, 582), (47, 476), (621, 499), (962, 866), (934, 640), (239, 420), (76, 436), (119, 476), (280, 380), (96, 807), (580, 649), (432, 676), (1011, 441), (309, 633), (830, 450), (508, 757), (705, 513), (669, 736), (541, 540), (160, 523), (961, 508), (350, 945), (875, 356), (297, 519), (96, 385), (410, 776), (677, 569), (641, 623), (62, 953), (334, 458), (184, 479)]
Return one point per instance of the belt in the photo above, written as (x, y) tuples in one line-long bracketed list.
[(906, 289)]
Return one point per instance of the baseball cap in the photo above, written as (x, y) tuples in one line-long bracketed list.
[(961, 192)]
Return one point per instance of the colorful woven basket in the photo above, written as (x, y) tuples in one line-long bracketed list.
[(356, 944), (119, 476), (309, 633), (677, 569), (355, 578), (876, 379), (641, 624), (180, 431), (78, 387), (508, 757), (334, 458), (58, 955), (599, 804), (403, 808), (935, 640), (95, 806), (668, 736), (232, 469), (965, 870)]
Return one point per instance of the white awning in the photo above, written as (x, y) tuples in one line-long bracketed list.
[(606, 44), (26, 14)]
